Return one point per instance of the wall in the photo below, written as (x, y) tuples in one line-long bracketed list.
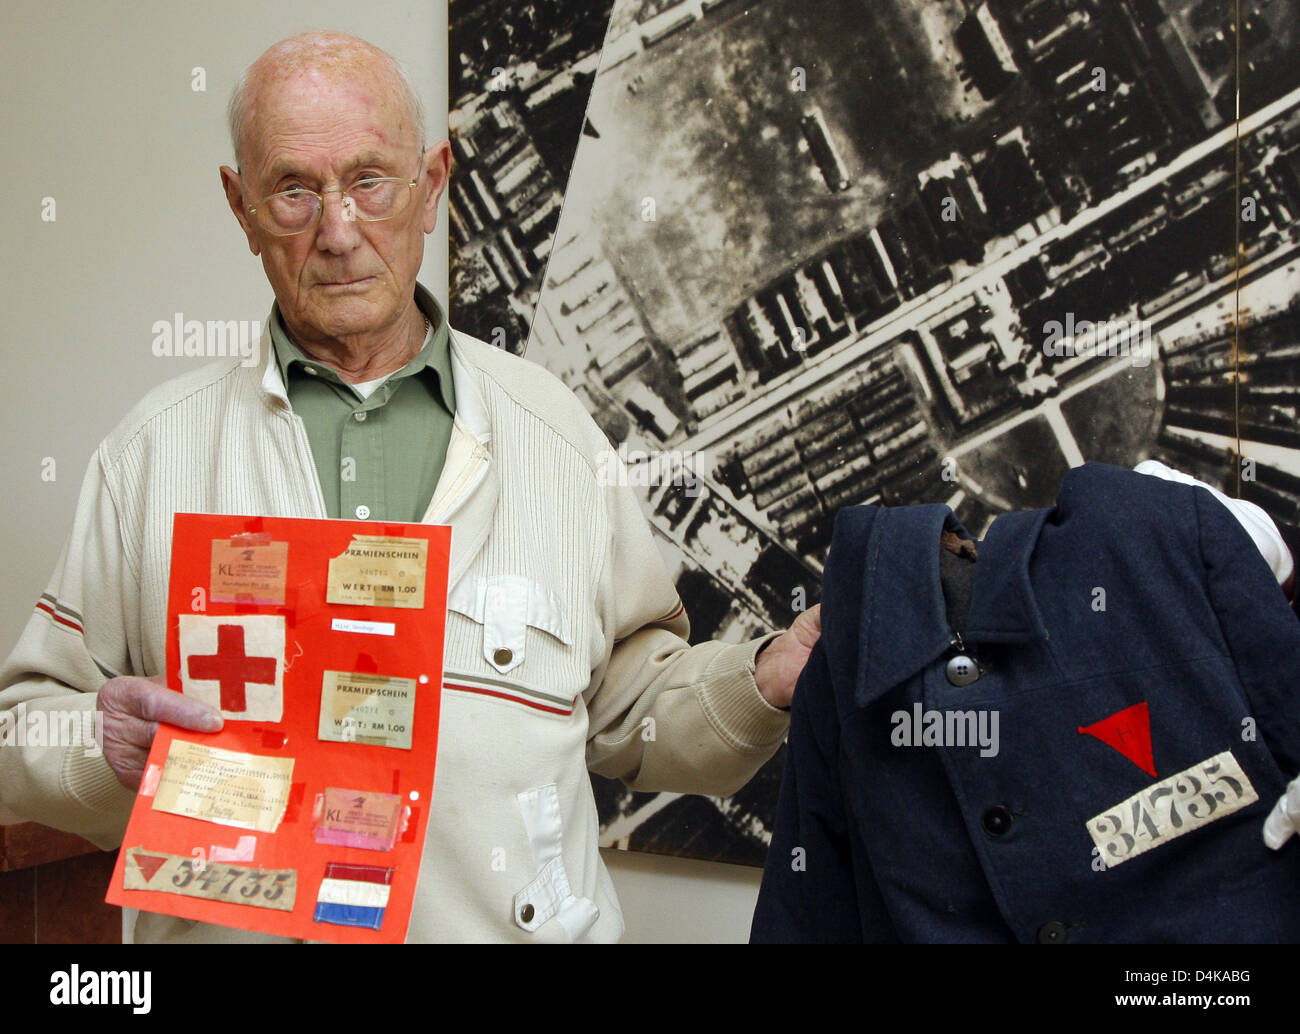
[(682, 901), (101, 115)]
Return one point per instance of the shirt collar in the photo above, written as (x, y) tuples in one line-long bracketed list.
[(893, 553), (435, 355)]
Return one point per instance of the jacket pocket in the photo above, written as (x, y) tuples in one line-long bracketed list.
[(549, 895), (505, 606)]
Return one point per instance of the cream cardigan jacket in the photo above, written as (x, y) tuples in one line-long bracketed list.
[(549, 553)]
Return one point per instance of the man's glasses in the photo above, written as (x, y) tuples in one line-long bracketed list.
[(371, 199)]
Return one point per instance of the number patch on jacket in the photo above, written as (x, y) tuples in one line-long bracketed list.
[(1193, 798)]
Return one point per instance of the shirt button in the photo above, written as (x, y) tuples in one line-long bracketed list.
[(359, 417), (526, 914), (962, 671), (1054, 932), (311, 370), (997, 821), (501, 656), (363, 511)]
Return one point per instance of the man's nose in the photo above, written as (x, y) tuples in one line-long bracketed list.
[(338, 230)]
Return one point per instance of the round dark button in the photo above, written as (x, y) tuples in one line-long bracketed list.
[(1053, 932), (501, 656), (526, 913), (997, 821), (962, 671)]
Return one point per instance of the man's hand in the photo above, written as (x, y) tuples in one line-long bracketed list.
[(781, 661), (1284, 818), (132, 709)]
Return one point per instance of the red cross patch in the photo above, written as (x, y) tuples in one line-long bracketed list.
[(235, 663)]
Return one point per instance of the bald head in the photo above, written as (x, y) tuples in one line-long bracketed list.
[(326, 57)]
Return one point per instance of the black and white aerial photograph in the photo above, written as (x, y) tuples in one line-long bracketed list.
[(799, 255)]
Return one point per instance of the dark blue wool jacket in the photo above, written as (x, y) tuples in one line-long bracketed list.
[(1083, 826)]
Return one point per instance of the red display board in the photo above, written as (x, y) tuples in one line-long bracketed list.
[(321, 642)]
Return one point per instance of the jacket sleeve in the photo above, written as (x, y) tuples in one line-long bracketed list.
[(1257, 624), (809, 891), (52, 766), (665, 715)]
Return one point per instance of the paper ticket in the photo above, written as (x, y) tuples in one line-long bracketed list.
[(377, 571), (357, 818), (248, 791), (246, 570), (361, 708)]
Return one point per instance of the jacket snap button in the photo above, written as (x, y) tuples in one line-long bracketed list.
[(1054, 932), (526, 913), (962, 671), (501, 656), (997, 821)]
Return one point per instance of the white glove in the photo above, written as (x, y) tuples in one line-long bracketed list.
[(1259, 526), (1285, 817)]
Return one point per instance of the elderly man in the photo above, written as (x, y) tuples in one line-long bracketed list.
[(367, 405)]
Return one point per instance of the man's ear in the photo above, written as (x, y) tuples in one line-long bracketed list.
[(234, 187), (437, 163)]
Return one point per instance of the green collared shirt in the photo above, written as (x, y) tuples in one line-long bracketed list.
[(378, 458)]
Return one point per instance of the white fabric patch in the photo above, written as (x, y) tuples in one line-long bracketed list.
[(1193, 798), (353, 892)]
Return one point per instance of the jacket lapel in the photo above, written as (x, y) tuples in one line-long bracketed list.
[(468, 488)]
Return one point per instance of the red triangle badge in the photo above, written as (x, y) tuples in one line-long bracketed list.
[(1129, 732), (149, 864)]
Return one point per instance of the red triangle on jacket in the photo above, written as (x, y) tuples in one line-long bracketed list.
[(1129, 732)]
